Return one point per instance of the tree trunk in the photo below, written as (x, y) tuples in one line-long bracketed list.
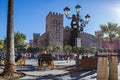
[(10, 68), (111, 45), (10, 57)]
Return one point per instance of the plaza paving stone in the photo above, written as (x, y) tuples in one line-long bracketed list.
[(58, 73)]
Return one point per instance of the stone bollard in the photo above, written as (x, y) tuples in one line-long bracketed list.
[(113, 67), (102, 67)]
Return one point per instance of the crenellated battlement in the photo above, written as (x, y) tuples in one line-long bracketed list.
[(54, 14)]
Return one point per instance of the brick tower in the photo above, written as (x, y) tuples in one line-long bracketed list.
[(54, 29)]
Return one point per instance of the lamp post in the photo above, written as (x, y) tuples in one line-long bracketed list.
[(77, 26)]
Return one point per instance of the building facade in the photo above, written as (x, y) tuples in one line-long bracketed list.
[(105, 43), (116, 43), (54, 32), (57, 35), (88, 40), (54, 29)]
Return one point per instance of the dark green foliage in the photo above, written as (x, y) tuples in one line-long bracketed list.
[(19, 39)]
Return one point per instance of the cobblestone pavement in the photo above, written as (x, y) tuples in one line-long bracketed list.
[(59, 73)]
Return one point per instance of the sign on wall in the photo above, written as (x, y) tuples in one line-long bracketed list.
[(78, 42)]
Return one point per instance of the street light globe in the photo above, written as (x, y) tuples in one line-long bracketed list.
[(87, 17), (78, 7), (66, 11)]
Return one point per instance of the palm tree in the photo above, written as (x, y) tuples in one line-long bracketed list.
[(10, 68), (111, 30)]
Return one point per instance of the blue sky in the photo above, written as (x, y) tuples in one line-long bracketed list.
[(30, 15)]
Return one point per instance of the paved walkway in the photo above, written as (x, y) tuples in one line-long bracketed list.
[(33, 73)]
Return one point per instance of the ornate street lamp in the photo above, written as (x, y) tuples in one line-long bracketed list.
[(78, 7), (77, 26), (77, 23), (66, 10)]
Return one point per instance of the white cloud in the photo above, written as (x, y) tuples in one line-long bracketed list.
[(116, 11)]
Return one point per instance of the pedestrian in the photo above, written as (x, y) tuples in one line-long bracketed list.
[(68, 57)]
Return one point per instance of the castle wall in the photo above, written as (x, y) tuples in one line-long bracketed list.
[(35, 39), (57, 35), (88, 40), (66, 36)]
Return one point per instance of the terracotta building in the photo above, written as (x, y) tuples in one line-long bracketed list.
[(105, 43), (116, 43)]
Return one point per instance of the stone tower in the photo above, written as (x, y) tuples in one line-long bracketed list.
[(35, 39), (54, 29)]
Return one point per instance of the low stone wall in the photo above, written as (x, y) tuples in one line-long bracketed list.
[(89, 63)]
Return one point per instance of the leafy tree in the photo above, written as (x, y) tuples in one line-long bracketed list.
[(100, 50), (105, 49), (42, 48), (83, 50), (19, 40), (67, 49), (33, 50), (93, 49), (30, 49), (50, 49), (57, 48), (111, 30), (1, 45)]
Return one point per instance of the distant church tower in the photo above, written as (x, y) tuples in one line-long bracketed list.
[(54, 29)]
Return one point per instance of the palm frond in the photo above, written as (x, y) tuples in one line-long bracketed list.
[(111, 29), (104, 29)]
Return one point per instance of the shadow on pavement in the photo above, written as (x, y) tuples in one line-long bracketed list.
[(68, 76), (28, 68)]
